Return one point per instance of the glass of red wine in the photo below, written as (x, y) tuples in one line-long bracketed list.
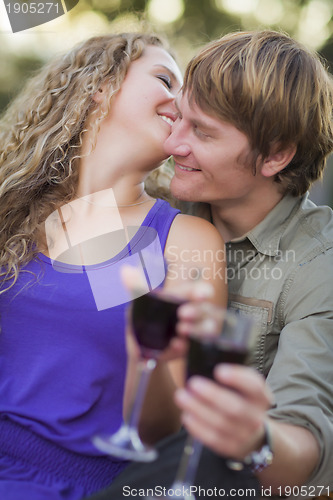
[(154, 318), (231, 344)]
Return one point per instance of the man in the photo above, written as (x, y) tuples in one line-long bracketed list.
[(254, 129)]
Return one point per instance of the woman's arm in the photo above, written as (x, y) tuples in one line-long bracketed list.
[(195, 252), (193, 244)]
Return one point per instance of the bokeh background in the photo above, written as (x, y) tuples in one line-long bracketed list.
[(188, 24)]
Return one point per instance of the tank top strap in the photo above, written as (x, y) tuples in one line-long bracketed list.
[(160, 217)]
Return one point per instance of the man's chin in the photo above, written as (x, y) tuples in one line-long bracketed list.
[(182, 193), (183, 196)]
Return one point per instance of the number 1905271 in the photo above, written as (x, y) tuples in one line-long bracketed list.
[(32, 8), (304, 491)]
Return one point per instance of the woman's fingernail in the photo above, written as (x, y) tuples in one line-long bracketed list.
[(197, 384), (181, 395), (209, 325), (186, 418), (186, 310), (203, 290), (223, 371)]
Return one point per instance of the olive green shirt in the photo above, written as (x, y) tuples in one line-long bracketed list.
[(281, 272)]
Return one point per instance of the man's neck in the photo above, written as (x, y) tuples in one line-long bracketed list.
[(235, 219)]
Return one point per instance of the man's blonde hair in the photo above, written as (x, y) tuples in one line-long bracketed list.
[(274, 90)]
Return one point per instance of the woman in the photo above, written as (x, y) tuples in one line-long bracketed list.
[(76, 147)]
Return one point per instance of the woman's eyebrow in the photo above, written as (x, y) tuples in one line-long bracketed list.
[(171, 73)]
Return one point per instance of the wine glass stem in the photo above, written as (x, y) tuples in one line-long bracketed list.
[(189, 462), (145, 367)]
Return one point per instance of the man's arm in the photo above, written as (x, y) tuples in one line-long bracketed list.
[(229, 418), (301, 377)]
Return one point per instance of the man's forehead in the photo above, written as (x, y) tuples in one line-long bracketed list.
[(186, 104)]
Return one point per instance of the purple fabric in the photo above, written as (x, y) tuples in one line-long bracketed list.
[(62, 370)]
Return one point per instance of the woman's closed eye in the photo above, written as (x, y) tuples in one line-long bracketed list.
[(166, 80)]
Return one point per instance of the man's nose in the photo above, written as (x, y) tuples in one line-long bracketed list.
[(175, 144)]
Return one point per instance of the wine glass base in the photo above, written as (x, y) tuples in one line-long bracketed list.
[(185, 489), (126, 443), (178, 490)]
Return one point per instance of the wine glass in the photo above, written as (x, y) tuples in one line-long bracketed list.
[(154, 318), (230, 345)]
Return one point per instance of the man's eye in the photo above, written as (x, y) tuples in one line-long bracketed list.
[(199, 133), (165, 79)]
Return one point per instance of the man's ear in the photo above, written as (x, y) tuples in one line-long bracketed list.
[(277, 160)]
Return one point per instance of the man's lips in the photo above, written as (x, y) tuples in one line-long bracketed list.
[(185, 168)]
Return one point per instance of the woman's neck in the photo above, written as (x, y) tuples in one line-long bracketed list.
[(109, 161), (123, 194)]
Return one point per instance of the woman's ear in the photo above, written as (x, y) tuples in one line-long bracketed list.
[(277, 160), (99, 96)]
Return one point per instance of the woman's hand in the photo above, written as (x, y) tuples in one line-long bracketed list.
[(199, 316), (194, 292)]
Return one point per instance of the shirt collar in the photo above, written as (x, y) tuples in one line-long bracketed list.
[(266, 235)]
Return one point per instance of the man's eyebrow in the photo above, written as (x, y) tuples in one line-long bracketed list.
[(204, 126), (195, 121)]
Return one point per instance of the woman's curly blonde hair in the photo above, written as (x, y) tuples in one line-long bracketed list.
[(41, 136)]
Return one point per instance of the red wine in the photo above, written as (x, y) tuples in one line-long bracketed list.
[(204, 356), (154, 318)]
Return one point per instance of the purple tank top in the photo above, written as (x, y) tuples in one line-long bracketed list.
[(62, 361)]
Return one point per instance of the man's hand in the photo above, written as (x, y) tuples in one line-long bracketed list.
[(227, 415)]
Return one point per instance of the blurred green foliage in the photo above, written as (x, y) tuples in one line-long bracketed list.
[(13, 74), (200, 21)]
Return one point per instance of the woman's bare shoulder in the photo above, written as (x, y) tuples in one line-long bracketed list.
[(195, 246), (188, 229)]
